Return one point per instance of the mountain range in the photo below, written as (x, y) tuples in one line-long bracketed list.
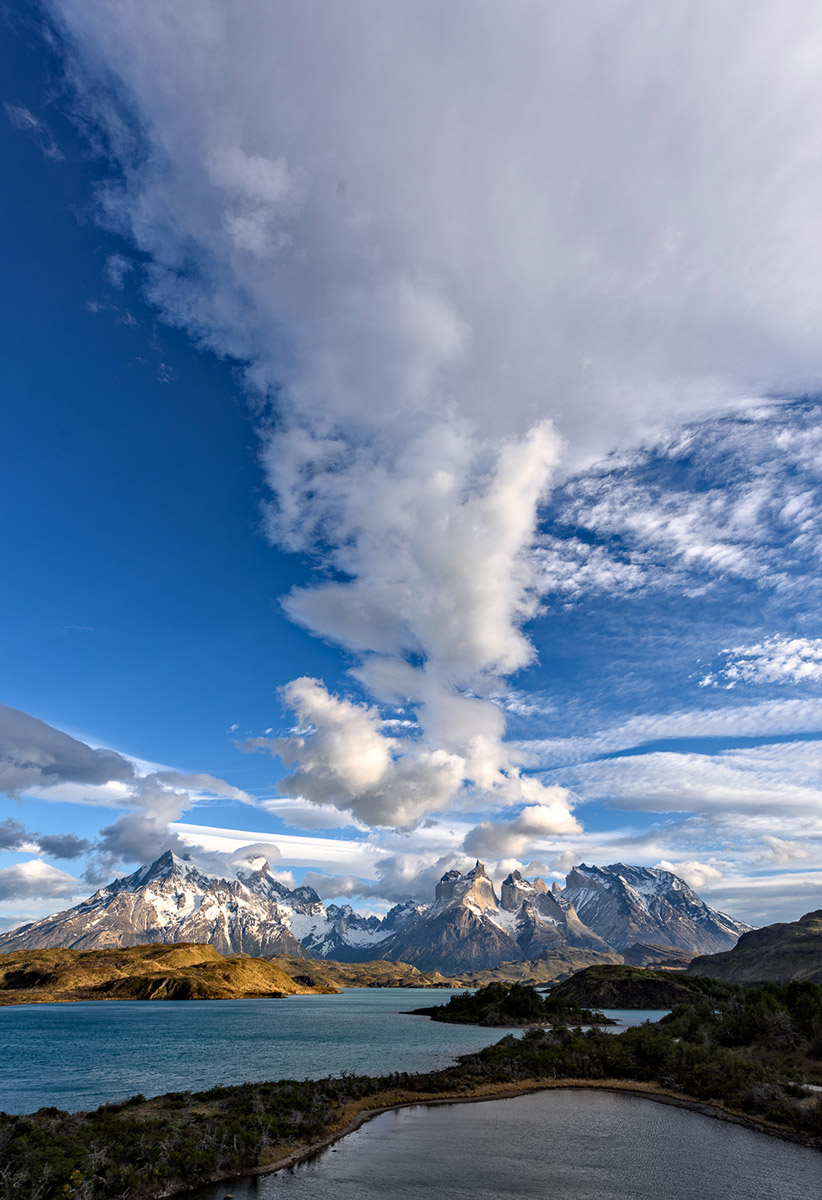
[(467, 927)]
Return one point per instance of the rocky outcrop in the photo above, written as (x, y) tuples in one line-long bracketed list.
[(774, 954), (459, 931)]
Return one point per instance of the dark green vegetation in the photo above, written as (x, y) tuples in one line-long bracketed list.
[(747, 1052), (181, 971), (509, 1004), (775, 954), (633, 987)]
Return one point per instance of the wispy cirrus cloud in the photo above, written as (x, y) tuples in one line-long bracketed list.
[(768, 718), (734, 500), (781, 779), (23, 119)]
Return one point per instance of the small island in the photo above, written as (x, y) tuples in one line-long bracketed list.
[(511, 1005)]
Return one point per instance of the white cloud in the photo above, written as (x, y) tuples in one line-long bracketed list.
[(764, 899), (423, 258), (346, 855), (768, 718), (116, 268), (698, 874), (774, 779), (342, 758), (35, 755), (781, 852), (155, 802), (526, 832), (23, 119), (309, 816), (36, 880), (397, 263), (776, 659), (734, 500)]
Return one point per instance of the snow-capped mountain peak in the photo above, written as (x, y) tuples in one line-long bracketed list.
[(627, 904), (467, 926)]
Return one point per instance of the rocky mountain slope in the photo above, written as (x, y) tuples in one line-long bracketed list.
[(171, 901), (774, 954), (626, 905), (180, 972), (601, 912), (551, 967), (469, 928)]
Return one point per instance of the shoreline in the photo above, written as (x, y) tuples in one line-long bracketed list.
[(644, 1091)]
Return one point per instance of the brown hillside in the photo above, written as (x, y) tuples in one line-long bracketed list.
[(552, 967), (377, 974), (182, 971), (774, 954)]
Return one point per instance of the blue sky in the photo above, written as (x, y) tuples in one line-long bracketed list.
[(404, 466)]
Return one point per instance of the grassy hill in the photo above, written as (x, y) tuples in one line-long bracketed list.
[(510, 1005), (181, 971)]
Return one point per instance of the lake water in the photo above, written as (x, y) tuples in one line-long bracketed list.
[(567, 1145), (78, 1056)]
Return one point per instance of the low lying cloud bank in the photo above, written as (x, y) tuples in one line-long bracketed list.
[(37, 880)]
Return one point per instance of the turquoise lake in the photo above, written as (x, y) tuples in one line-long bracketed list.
[(78, 1056)]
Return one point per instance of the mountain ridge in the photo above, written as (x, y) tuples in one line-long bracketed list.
[(779, 953), (467, 928)]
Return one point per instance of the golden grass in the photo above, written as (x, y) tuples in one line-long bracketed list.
[(183, 970)]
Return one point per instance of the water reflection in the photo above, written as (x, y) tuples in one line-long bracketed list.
[(569, 1145)]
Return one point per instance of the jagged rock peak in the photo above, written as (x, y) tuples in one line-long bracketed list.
[(474, 888), (515, 891), (168, 866)]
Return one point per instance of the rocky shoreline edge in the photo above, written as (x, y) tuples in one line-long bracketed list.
[(362, 1115)]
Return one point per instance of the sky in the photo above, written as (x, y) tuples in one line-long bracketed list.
[(411, 447)]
